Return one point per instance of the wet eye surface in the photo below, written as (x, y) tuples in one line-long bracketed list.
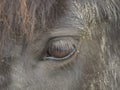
[(60, 49)]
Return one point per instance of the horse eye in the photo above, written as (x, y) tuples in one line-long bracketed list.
[(60, 49)]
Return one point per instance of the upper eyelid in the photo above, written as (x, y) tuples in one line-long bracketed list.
[(68, 36), (61, 32), (65, 32)]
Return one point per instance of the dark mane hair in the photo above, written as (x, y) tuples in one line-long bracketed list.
[(19, 19)]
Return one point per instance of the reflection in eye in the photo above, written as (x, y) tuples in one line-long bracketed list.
[(60, 49)]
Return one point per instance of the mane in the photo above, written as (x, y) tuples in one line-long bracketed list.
[(98, 11), (20, 19)]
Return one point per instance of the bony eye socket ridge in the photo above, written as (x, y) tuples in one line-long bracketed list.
[(60, 49)]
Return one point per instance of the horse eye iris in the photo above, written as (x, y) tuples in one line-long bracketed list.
[(60, 48)]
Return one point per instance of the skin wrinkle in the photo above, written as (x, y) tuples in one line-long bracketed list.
[(26, 26)]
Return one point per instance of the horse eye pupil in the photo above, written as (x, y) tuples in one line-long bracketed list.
[(60, 48)]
